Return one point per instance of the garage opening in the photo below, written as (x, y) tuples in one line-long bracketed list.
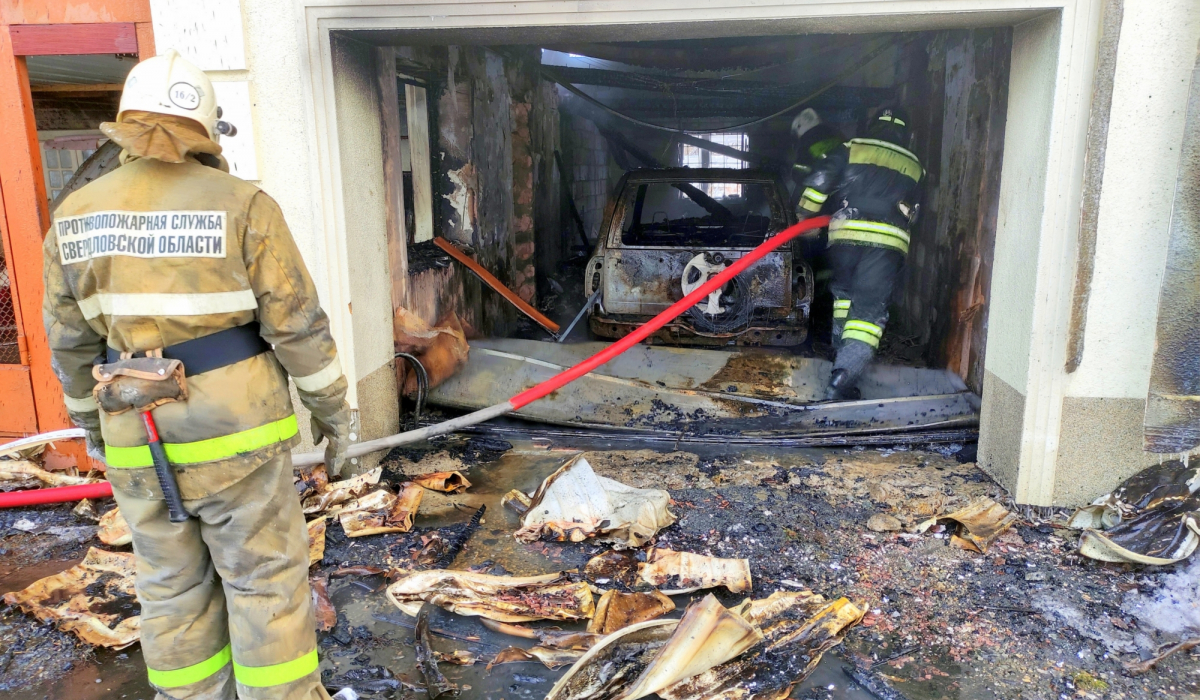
[(600, 182)]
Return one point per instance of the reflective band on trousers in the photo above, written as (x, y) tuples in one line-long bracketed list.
[(862, 331), (206, 450), (841, 308), (870, 233), (191, 674), (276, 674)]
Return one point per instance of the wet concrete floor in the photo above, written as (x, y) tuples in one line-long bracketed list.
[(958, 624)]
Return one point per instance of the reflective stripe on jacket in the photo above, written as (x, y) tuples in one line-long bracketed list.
[(875, 184)]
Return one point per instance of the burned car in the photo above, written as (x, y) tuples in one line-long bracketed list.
[(667, 231)]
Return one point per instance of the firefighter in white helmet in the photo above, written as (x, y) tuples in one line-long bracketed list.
[(170, 253)]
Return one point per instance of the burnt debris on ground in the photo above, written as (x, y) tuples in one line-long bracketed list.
[(1031, 618)]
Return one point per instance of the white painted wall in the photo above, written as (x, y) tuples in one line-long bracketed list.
[(1155, 56), (1022, 199), (239, 150), (361, 164), (207, 33)]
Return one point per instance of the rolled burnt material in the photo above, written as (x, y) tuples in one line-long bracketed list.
[(500, 598)]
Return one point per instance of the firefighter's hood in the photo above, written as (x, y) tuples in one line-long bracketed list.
[(163, 137)]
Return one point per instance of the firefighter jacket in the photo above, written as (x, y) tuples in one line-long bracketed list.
[(875, 186), (164, 250)]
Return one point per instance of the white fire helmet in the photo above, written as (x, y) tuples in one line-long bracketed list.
[(805, 121), (169, 84)]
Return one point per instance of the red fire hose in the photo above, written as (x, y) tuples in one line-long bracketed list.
[(59, 494), (102, 489)]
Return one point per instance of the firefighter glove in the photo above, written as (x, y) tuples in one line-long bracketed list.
[(90, 422), (335, 430)]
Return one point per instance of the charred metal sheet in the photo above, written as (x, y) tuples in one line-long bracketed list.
[(1173, 405), (648, 280), (652, 388)]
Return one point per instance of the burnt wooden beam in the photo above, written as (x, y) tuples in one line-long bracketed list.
[(604, 120), (72, 88), (662, 107), (719, 54), (701, 87)]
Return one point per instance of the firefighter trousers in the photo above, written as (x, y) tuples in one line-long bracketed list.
[(862, 283), (226, 610)]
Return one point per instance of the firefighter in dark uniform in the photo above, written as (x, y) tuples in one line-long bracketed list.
[(814, 138), (873, 185)]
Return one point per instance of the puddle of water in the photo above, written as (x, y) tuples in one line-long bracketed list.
[(15, 577), (109, 677)]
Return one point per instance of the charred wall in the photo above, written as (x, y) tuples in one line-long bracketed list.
[(493, 132), (956, 88)]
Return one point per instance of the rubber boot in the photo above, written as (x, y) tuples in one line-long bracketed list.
[(838, 381)]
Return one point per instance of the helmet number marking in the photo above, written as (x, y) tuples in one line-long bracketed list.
[(184, 95)]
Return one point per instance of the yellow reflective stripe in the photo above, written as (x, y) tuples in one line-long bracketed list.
[(191, 674), (886, 144), (276, 674), (861, 337), (875, 239), (814, 195), (820, 148), (865, 327), (875, 226), (809, 205), (870, 232), (841, 303), (841, 313), (885, 155), (895, 120), (206, 450)]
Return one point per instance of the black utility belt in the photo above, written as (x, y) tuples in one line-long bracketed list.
[(212, 351)]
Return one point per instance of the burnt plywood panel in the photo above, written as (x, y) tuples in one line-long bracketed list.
[(492, 155)]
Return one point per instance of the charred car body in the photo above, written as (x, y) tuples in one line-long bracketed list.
[(667, 231)]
